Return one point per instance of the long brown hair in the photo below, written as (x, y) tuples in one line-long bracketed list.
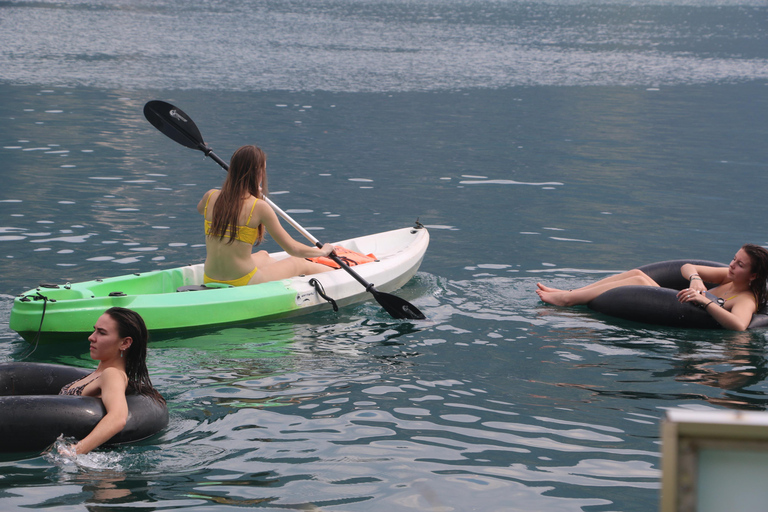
[(130, 324), (247, 175), (759, 265)]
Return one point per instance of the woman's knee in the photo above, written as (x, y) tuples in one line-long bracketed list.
[(643, 277)]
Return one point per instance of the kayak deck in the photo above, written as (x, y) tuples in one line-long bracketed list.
[(70, 310)]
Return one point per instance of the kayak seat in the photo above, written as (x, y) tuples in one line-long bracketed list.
[(209, 286)]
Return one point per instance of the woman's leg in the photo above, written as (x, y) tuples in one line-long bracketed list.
[(272, 270), (605, 280), (587, 293)]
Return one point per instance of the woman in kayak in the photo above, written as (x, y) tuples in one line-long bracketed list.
[(740, 291), (235, 221), (119, 344)]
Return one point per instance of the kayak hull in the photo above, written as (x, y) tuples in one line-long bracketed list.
[(64, 312)]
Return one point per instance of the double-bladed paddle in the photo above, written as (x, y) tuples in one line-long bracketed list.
[(177, 125)]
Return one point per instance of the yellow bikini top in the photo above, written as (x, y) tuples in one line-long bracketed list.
[(245, 233)]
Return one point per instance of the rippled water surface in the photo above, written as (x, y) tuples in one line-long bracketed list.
[(540, 141)]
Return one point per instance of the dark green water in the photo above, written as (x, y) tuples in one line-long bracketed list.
[(553, 142)]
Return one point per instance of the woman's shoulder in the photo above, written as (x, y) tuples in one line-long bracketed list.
[(749, 295), (745, 298), (263, 214), (260, 206), (112, 374), (204, 200), (113, 371)]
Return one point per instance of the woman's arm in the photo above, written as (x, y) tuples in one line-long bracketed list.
[(203, 202), (737, 319), (697, 275), (113, 384), (268, 217)]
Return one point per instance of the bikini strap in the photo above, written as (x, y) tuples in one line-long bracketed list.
[(78, 390), (251, 214), (205, 210)]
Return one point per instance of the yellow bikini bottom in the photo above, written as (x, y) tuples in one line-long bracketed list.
[(241, 281)]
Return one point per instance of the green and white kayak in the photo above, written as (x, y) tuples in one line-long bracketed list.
[(69, 311)]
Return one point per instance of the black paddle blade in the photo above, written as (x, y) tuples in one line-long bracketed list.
[(174, 123), (397, 307)]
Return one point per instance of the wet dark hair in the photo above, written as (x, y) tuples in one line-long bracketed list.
[(131, 325), (758, 257)]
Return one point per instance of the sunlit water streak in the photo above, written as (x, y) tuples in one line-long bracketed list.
[(356, 46)]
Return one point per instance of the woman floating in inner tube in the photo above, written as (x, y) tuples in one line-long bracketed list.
[(740, 291), (119, 343)]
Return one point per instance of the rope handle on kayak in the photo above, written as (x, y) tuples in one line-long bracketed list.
[(45, 299), (321, 292)]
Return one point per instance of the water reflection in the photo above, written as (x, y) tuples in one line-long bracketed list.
[(734, 364), (640, 359), (103, 488)]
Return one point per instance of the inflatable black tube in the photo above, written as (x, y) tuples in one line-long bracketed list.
[(34, 415), (651, 305)]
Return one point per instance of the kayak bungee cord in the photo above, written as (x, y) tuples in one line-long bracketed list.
[(321, 292), (42, 317)]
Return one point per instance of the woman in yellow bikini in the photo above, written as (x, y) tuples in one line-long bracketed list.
[(740, 291), (236, 220)]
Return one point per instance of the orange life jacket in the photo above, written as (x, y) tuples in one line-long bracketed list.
[(351, 258)]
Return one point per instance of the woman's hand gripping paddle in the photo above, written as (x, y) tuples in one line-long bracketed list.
[(178, 126)]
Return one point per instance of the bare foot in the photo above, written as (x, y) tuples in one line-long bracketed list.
[(547, 288), (554, 297)]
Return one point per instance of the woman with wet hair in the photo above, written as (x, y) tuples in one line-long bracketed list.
[(119, 343)]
